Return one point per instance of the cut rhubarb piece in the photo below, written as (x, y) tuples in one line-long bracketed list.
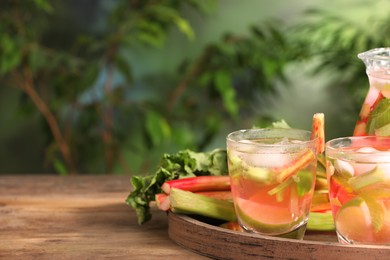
[(360, 129), (187, 202), (368, 179), (200, 183), (321, 183), (162, 201), (232, 225), (320, 201), (320, 222), (318, 131), (302, 162)]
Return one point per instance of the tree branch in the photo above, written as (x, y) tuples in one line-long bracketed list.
[(26, 84), (192, 73)]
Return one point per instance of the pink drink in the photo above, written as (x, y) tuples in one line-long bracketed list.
[(272, 179), (374, 117), (358, 170)]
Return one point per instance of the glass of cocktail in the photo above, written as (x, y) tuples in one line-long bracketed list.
[(374, 117), (358, 170), (272, 174)]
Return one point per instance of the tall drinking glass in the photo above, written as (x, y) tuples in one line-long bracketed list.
[(273, 174), (358, 170)]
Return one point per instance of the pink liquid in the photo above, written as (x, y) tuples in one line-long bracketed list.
[(263, 206), (374, 117), (359, 194)]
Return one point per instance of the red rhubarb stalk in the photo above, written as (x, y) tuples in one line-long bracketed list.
[(200, 183), (318, 131), (292, 169), (162, 201)]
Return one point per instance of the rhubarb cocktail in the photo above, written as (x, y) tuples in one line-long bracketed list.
[(374, 117), (272, 174), (358, 170)]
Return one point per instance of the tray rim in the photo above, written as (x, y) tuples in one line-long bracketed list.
[(182, 227)]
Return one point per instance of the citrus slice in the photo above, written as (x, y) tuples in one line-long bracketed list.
[(265, 218), (363, 220), (353, 221)]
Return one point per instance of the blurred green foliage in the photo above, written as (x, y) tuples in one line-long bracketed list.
[(98, 120)]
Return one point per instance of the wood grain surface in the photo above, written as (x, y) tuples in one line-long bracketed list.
[(213, 241), (81, 217)]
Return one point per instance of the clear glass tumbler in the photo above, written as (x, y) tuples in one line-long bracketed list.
[(358, 170), (273, 174)]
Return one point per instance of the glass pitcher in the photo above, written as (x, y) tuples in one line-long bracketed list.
[(374, 117)]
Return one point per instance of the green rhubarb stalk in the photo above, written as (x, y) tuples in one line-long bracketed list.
[(371, 178), (279, 189), (200, 183), (187, 202), (320, 222)]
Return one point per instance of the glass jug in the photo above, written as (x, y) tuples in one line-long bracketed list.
[(374, 117)]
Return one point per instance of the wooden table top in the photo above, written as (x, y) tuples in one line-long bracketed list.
[(78, 217)]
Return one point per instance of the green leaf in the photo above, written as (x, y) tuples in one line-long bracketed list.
[(204, 6), (44, 5), (379, 117), (157, 127), (304, 180), (225, 88), (185, 163), (184, 27), (37, 59), (60, 167), (124, 67), (10, 55), (383, 131)]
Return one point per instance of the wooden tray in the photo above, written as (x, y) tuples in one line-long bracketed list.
[(204, 237)]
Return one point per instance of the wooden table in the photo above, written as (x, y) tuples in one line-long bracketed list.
[(78, 217)]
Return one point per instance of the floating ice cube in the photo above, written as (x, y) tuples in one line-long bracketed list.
[(366, 150), (361, 168), (344, 167), (267, 160)]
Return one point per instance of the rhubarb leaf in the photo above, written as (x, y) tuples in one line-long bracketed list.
[(185, 163)]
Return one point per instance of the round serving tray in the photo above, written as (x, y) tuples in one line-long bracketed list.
[(206, 238)]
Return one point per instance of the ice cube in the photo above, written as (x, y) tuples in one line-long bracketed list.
[(361, 168), (366, 150), (344, 167), (268, 160)]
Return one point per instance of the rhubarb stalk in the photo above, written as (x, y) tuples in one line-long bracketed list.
[(187, 202), (318, 131), (300, 163), (200, 183)]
